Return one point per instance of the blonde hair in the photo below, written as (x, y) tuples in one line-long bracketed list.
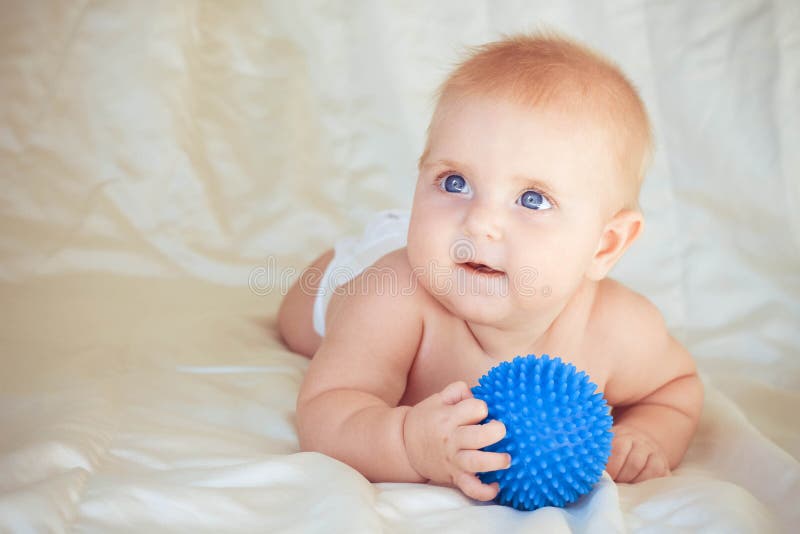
[(546, 68)]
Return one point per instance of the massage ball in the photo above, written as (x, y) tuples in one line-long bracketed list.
[(558, 431)]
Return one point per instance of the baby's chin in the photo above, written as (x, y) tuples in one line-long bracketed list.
[(494, 300), (475, 310), (479, 301)]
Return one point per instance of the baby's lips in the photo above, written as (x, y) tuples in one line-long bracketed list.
[(482, 267)]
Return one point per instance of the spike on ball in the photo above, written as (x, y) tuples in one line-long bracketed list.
[(558, 431)]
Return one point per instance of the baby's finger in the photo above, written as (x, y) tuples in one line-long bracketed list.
[(473, 488), (634, 464), (470, 411), (656, 467), (456, 392), (650, 470), (482, 461), (480, 436), (619, 453)]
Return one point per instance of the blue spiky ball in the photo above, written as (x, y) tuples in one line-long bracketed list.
[(558, 431)]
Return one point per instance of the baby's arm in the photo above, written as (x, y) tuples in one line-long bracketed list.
[(661, 398), (347, 405)]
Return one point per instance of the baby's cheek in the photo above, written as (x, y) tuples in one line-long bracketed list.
[(417, 250), (530, 288)]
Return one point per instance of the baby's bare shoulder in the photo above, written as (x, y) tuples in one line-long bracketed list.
[(642, 355), (397, 263), (393, 273), (372, 338)]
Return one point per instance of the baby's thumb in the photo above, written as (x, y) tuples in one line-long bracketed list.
[(456, 392)]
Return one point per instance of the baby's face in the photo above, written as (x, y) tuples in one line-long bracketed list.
[(523, 192)]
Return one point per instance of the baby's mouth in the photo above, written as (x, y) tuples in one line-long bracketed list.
[(480, 268)]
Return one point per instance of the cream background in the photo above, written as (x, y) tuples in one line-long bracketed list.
[(163, 164)]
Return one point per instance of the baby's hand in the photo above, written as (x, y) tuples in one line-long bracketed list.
[(635, 457), (442, 441)]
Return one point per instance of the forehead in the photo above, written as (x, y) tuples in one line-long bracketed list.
[(497, 138)]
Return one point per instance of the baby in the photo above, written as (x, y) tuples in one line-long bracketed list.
[(527, 196)]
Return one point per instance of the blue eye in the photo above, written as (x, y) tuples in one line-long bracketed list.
[(534, 201), (455, 183)]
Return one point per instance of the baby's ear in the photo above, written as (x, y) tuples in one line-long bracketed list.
[(619, 233)]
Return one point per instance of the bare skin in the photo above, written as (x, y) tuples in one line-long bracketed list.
[(445, 333), (448, 361), (387, 389)]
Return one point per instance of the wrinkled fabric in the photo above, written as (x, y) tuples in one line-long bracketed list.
[(166, 170)]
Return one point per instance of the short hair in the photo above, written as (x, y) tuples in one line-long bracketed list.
[(549, 69)]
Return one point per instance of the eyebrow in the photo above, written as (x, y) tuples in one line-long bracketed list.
[(530, 183)]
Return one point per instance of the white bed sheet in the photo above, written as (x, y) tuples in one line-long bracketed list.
[(165, 166)]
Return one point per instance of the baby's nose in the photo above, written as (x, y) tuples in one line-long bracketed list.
[(483, 222)]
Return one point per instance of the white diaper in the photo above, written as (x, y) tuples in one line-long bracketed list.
[(385, 231)]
